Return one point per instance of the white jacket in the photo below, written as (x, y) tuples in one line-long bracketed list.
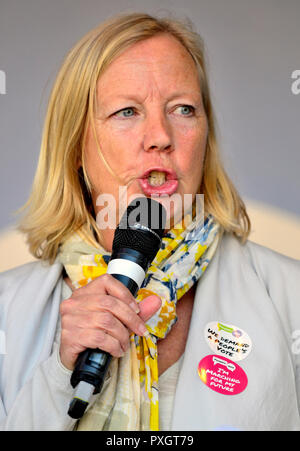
[(250, 287)]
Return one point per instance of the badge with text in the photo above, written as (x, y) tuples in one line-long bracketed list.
[(227, 340), (222, 375)]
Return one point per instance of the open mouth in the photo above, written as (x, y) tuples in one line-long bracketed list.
[(159, 181), (157, 178)]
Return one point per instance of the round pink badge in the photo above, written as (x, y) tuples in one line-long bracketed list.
[(222, 375)]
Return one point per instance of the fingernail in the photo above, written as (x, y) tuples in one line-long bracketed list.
[(144, 331), (135, 307)]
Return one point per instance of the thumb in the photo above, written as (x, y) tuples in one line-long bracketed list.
[(149, 306)]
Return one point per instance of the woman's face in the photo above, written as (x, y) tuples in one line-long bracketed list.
[(151, 127)]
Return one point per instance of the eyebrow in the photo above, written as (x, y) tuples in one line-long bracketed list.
[(136, 98)]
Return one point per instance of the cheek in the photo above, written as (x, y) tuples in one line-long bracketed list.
[(118, 145), (118, 130), (191, 145), (110, 163), (98, 150), (95, 166)]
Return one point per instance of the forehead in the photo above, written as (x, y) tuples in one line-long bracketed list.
[(160, 60)]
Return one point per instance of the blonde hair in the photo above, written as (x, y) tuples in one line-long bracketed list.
[(59, 202)]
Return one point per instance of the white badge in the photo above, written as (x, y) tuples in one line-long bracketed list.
[(227, 340)]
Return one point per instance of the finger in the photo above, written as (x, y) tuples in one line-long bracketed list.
[(85, 306), (112, 326), (123, 313), (95, 320), (149, 306), (84, 303), (99, 339), (107, 284)]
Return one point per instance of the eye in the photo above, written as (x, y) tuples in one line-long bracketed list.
[(125, 112), (185, 110)]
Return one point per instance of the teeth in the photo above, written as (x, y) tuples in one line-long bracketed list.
[(156, 178)]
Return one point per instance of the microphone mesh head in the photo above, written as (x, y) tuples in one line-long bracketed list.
[(141, 227)]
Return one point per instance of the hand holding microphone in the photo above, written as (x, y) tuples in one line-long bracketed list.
[(101, 315)]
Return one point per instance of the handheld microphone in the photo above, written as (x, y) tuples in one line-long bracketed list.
[(136, 242)]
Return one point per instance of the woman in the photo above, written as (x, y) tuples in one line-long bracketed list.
[(131, 109)]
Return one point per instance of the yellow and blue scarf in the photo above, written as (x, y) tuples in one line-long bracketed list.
[(130, 400)]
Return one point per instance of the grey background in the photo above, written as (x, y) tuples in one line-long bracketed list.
[(253, 46)]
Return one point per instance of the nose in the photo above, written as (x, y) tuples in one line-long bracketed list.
[(157, 134)]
